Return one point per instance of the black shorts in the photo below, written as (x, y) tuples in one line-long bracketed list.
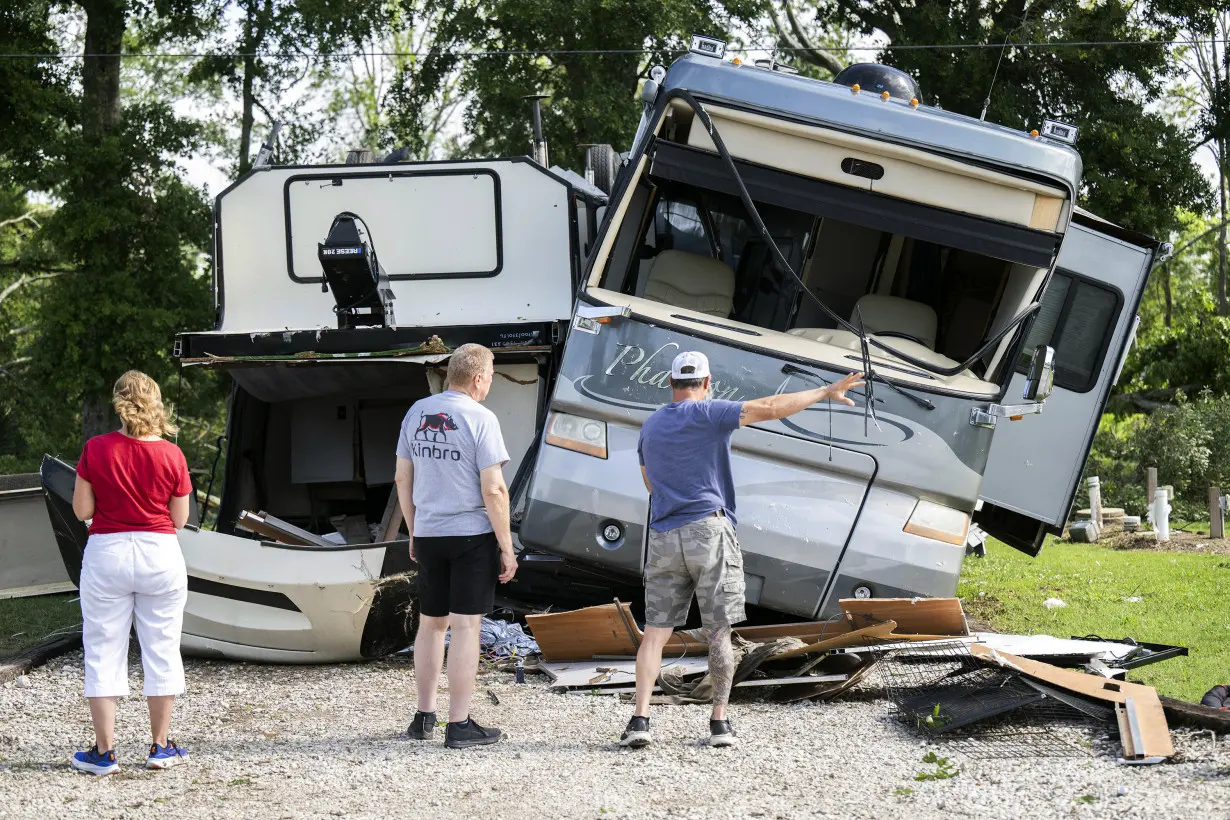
[(457, 574)]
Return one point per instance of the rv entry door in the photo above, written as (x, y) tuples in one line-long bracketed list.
[(1088, 316)]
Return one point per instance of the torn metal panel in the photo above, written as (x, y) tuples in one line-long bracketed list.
[(29, 561)]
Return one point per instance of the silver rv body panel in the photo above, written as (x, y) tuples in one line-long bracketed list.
[(826, 498)]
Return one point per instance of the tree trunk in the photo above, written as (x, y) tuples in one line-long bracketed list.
[(245, 128), (96, 417), (247, 98), (1169, 299), (1223, 161), (259, 14), (100, 75), (105, 21)]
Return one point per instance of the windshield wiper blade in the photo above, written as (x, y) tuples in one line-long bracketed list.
[(795, 370)]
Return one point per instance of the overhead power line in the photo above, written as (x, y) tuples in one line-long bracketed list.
[(178, 55)]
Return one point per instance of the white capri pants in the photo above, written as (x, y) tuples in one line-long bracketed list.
[(127, 576)]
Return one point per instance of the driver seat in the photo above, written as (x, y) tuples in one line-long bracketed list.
[(881, 313), (887, 313)]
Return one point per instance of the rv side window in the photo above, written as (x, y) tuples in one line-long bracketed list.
[(1076, 318)]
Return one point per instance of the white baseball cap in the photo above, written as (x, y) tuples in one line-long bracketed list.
[(690, 365)]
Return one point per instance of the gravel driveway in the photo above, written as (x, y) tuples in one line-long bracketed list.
[(275, 742)]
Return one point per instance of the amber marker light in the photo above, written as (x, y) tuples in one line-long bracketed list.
[(855, 88), (884, 96), (1033, 133), (913, 102)]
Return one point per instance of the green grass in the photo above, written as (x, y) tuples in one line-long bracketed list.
[(25, 622), (1183, 602)]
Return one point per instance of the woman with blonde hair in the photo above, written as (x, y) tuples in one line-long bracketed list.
[(133, 487)]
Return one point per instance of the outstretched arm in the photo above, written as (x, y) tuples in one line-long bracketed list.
[(787, 404)]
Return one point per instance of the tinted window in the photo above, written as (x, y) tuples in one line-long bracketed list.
[(1076, 318)]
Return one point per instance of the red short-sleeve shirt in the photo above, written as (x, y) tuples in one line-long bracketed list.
[(133, 482)]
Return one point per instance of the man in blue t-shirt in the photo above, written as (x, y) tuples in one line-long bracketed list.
[(685, 460)]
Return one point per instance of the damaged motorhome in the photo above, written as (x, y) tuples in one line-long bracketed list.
[(793, 230), (339, 293)]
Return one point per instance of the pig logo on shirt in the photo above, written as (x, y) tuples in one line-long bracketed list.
[(434, 425)]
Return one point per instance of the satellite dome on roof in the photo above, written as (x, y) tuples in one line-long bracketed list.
[(877, 78)]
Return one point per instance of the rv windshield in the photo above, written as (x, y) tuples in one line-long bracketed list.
[(694, 249)]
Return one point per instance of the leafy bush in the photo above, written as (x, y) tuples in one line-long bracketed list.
[(1188, 442)]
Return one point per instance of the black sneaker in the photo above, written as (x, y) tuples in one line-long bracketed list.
[(636, 736), (721, 733), (468, 733), (423, 727)]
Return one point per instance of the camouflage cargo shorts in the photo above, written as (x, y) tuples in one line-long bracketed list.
[(702, 558)]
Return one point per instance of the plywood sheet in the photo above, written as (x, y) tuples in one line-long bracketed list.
[(580, 633), (914, 616), (600, 630)]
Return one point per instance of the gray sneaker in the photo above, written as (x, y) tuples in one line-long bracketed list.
[(636, 736), (423, 727), (721, 733)]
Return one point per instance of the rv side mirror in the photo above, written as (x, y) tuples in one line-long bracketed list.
[(1041, 378)]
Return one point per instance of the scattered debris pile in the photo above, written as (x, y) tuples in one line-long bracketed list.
[(1004, 695)]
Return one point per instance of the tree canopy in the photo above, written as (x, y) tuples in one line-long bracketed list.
[(104, 236)]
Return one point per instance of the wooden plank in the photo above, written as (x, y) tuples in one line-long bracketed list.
[(391, 521), (877, 633), (1045, 214), (580, 634), (914, 616), (38, 655), (1196, 715), (1154, 731), (1125, 732), (292, 531), (747, 684), (275, 529)]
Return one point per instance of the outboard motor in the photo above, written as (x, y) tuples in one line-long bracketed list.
[(878, 78), (360, 286)]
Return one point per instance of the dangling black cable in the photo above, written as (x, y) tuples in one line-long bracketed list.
[(212, 473), (783, 265)]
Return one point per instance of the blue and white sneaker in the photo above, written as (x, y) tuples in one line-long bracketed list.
[(92, 762), (164, 757)]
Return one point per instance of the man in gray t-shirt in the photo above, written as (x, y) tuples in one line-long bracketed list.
[(450, 483)]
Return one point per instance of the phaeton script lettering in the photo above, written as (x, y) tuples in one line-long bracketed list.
[(644, 369)]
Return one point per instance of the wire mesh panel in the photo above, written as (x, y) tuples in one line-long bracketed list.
[(983, 710)]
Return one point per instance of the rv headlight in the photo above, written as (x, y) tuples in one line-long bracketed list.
[(577, 433), (931, 520)]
